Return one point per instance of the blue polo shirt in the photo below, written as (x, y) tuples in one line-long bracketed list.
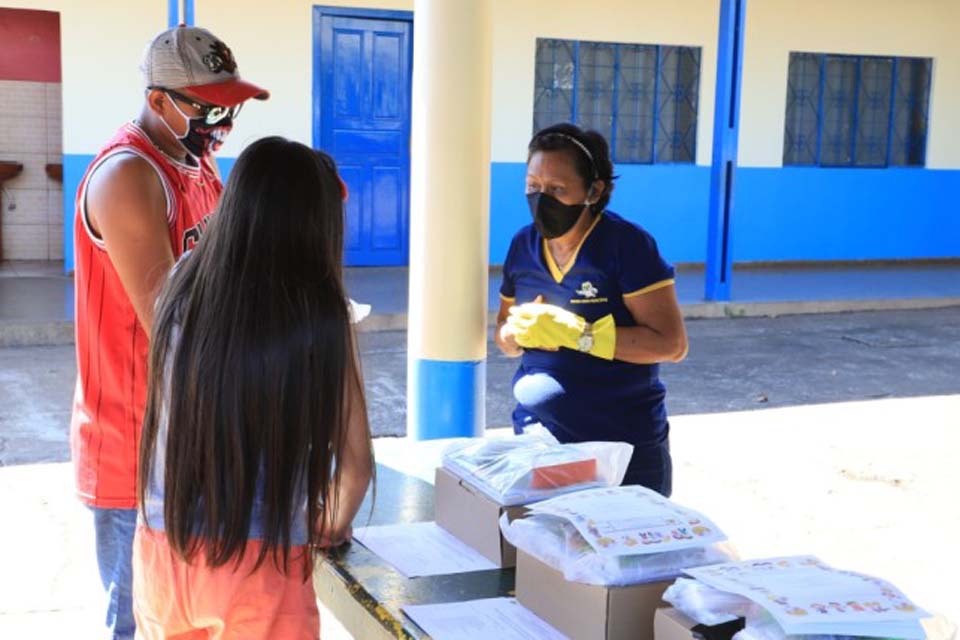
[(577, 396)]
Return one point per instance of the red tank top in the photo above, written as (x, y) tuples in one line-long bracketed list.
[(112, 347)]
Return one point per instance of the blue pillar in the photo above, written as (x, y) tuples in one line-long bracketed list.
[(448, 398), (173, 13), (188, 12), (726, 122)]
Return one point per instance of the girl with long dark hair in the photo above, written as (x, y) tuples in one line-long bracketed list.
[(255, 447)]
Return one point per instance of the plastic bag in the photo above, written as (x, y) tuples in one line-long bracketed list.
[(535, 466), (358, 311), (709, 606), (558, 544), (705, 605), (762, 626)]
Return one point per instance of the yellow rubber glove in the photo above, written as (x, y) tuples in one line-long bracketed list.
[(545, 326)]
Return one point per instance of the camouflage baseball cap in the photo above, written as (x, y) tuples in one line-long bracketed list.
[(193, 58)]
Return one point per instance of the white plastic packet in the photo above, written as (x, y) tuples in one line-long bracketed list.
[(558, 544), (358, 311), (709, 606), (762, 626), (705, 605), (535, 466)]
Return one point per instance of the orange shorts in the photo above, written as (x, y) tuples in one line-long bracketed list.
[(175, 600)]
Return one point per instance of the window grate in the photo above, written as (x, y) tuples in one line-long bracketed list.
[(856, 111), (642, 98)]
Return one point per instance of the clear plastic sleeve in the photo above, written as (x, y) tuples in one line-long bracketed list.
[(558, 544), (534, 466), (705, 605)]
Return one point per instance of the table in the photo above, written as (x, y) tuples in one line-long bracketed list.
[(366, 594)]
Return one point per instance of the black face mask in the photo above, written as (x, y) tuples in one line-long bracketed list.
[(201, 138), (551, 217)]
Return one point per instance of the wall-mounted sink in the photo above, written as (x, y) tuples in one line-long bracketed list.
[(55, 171), (7, 170)]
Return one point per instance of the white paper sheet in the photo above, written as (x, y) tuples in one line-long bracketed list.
[(806, 596), (421, 549), (631, 520), (499, 618), (358, 311)]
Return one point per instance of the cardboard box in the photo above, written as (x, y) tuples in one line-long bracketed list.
[(584, 611), (474, 518), (670, 624)]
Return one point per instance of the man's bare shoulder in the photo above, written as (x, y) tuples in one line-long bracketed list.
[(124, 185)]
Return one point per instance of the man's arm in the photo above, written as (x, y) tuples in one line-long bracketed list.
[(127, 207)]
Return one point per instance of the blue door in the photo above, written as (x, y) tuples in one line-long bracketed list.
[(362, 71)]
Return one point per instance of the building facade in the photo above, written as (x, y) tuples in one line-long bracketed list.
[(849, 123)]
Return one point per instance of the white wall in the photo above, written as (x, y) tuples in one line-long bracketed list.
[(922, 28), (274, 46), (102, 44)]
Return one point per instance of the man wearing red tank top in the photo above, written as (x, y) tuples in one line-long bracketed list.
[(143, 202)]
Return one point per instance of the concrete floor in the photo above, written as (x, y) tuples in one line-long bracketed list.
[(832, 434), (867, 486), (38, 292), (734, 365)]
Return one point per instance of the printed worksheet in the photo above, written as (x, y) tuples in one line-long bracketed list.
[(808, 596), (421, 549), (500, 618), (631, 520)]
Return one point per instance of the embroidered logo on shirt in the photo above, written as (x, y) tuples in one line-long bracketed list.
[(588, 294), (587, 290)]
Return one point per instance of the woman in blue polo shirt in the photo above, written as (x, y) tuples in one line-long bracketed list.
[(590, 305)]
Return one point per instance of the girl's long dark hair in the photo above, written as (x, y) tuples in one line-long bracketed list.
[(252, 362)]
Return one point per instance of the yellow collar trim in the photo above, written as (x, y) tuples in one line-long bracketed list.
[(555, 270)]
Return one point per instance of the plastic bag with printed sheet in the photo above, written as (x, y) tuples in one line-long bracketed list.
[(763, 626), (558, 544), (705, 605), (534, 466)]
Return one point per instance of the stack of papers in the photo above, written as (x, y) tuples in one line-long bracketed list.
[(808, 597), (500, 618), (421, 549), (632, 520)]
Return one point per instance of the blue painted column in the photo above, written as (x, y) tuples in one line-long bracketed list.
[(726, 122), (188, 12), (173, 13), (449, 219)]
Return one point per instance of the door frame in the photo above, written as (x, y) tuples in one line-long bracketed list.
[(321, 11)]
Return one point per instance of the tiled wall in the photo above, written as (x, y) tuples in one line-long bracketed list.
[(31, 205)]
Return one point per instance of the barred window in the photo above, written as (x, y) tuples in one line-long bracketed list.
[(856, 111), (642, 98)]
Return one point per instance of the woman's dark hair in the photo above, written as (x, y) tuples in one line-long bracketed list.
[(595, 166), (252, 362)]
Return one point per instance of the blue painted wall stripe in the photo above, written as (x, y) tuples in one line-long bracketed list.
[(74, 166), (173, 13), (670, 201), (800, 213), (789, 213), (188, 12), (450, 399)]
